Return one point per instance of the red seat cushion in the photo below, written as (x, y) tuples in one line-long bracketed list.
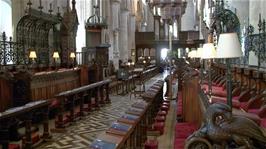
[(151, 144), (179, 143), (244, 105), (166, 104), (162, 113), (159, 126), (183, 130), (13, 146), (263, 123), (54, 104), (164, 107), (160, 118), (254, 111)]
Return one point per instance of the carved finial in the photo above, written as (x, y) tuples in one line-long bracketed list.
[(73, 4), (260, 23), (58, 11), (40, 7), (29, 4), (51, 9), (263, 26)]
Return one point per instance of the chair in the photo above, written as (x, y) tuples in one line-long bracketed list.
[(139, 84)]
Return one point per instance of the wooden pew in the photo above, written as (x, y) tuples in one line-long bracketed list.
[(137, 118), (25, 114), (82, 94)]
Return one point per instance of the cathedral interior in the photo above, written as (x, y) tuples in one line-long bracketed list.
[(132, 74)]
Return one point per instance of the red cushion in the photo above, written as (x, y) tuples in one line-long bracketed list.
[(162, 113), (244, 105), (219, 92), (262, 112), (35, 137), (216, 99), (254, 111), (159, 126), (179, 143), (54, 104), (236, 98), (164, 107), (151, 144), (13, 146), (263, 123), (183, 130), (166, 104)]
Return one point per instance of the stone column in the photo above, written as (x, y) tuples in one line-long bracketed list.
[(124, 35), (131, 39), (157, 27), (166, 30), (115, 31)]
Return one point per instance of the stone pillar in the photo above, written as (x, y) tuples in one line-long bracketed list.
[(166, 30), (157, 27), (131, 39), (116, 53), (115, 31), (124, 35)]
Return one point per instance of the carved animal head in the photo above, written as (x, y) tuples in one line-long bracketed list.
[(217, 113)]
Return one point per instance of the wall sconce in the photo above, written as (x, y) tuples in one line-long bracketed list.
[(229, 47), (144, 62), (132, 63), (55, 56), (32, 55), (73, 56)]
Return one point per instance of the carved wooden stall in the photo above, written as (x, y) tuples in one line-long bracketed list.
[(6, 90), (9, 120), (45, 85)]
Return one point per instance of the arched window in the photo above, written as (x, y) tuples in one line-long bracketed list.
[(6, 17)]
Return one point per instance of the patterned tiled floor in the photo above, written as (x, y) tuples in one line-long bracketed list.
[(80, 134)]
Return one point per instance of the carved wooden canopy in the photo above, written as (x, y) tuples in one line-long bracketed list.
[(33, 32)]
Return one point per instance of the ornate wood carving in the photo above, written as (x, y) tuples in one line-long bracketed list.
[(221, 129), (33, 32)]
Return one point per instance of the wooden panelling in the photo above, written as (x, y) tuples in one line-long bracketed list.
[(5, 93), (191, 103), (46, 84)]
